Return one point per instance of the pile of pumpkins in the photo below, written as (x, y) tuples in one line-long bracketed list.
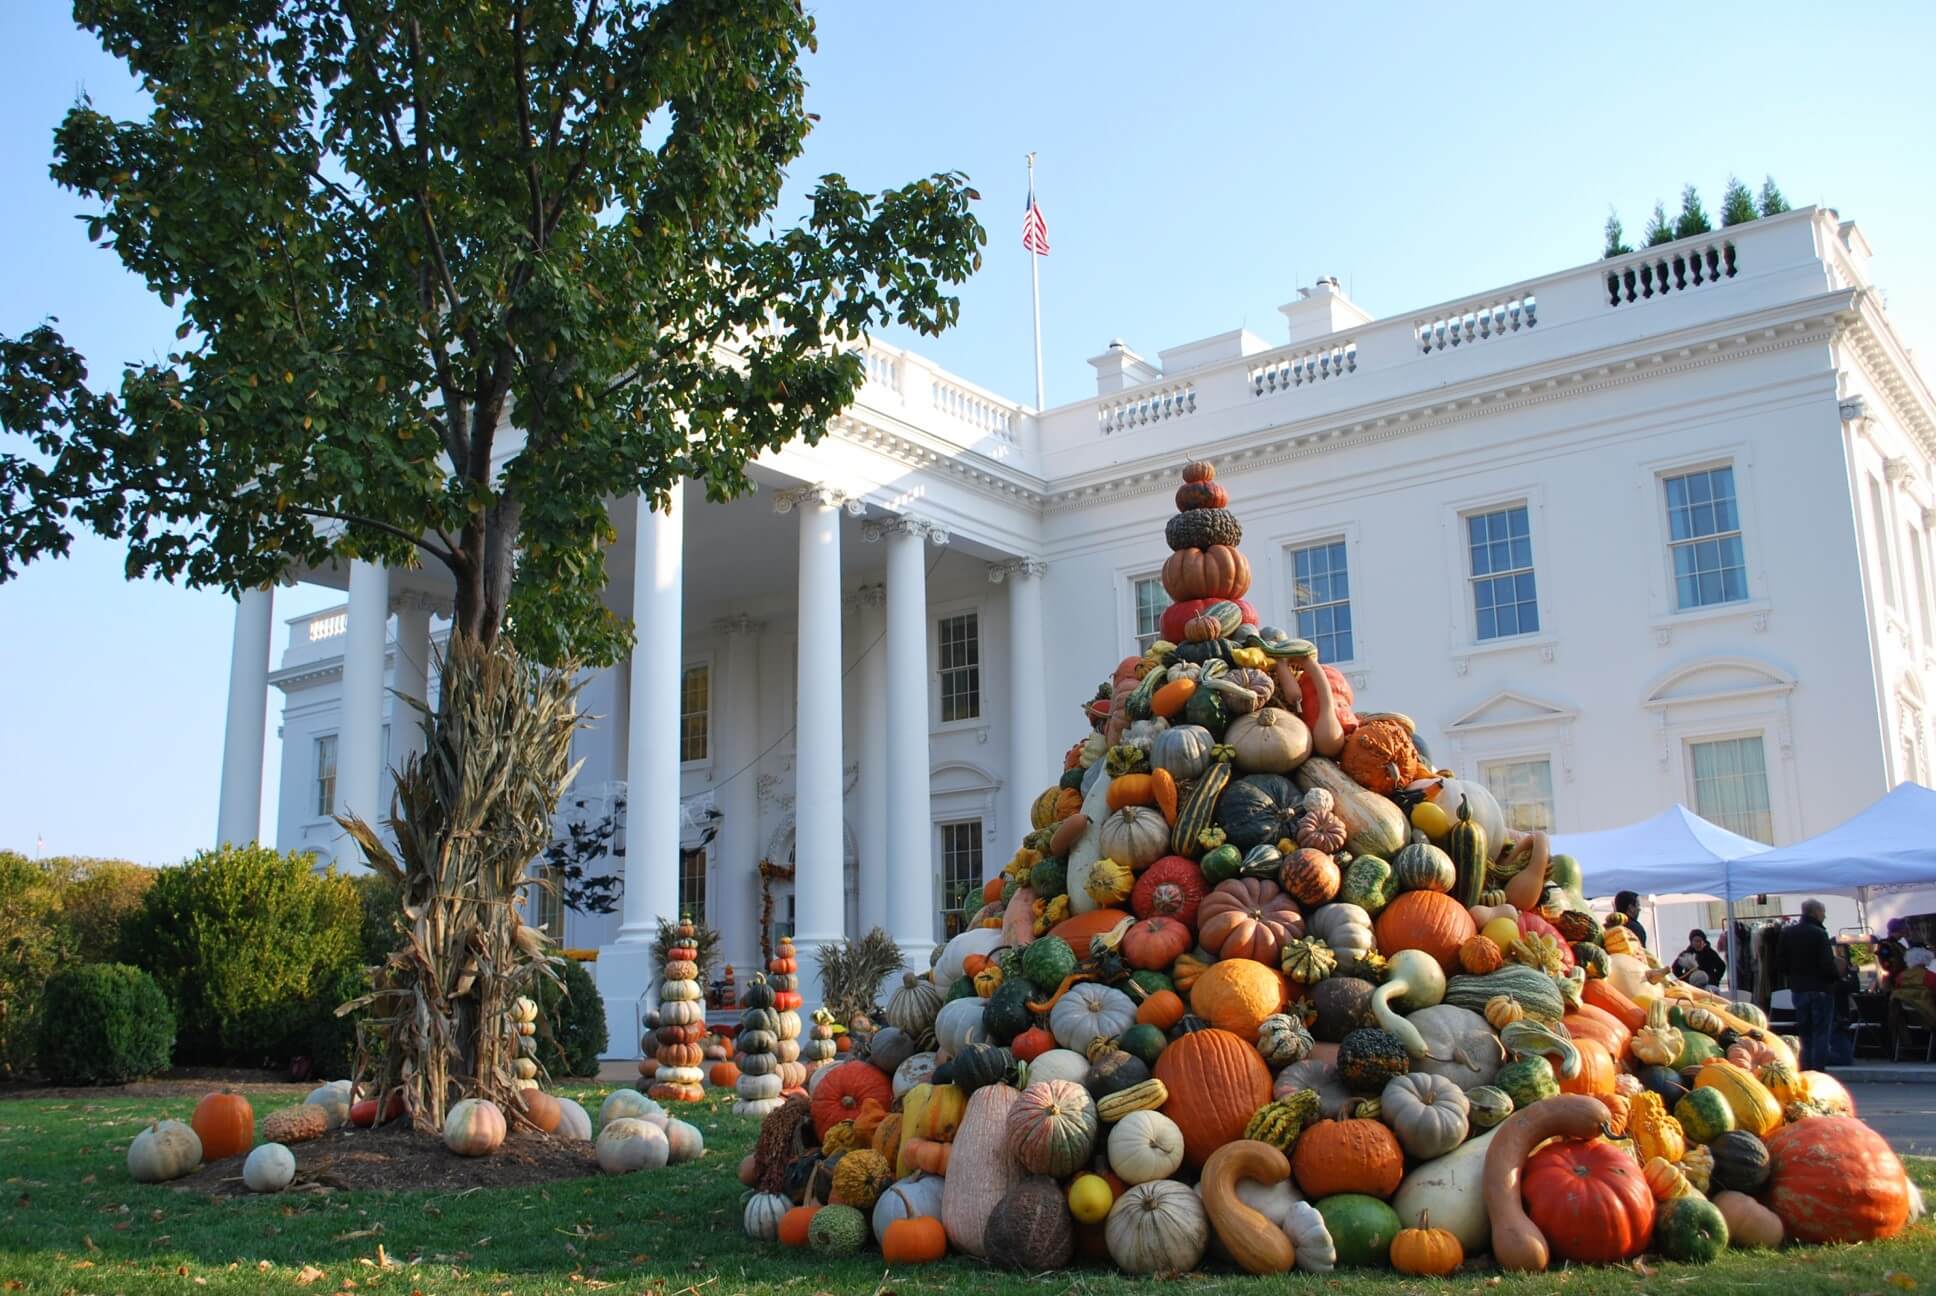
[(1264, 987)]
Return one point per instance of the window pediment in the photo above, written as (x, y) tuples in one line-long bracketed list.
[(1509, 708), (1716, 679)]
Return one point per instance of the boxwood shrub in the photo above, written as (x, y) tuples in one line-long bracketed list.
[(103, 1023), (571, 1032)]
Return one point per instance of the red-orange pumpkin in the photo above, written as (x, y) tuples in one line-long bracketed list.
[(1588, 1022), (1237, 994), (1597, 1070), (1425, 920), (1031, 1044), (225, 1123), (793, 1225), (1079, 929), (1216, 1083), (1161, 1010), (1248, 918), (1590, 1200), (1833, 1179), (1311, 877), (842, 1091), (919, 1239), (1173, 887), (1348, 1156), (1155, 942)]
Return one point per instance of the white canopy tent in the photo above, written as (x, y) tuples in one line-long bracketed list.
[(1891, 846), (1675, 852)]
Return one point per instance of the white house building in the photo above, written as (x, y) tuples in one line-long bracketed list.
[(1646, 530)]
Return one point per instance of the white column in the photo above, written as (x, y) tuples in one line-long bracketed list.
[(871, 650), (651, 771), (1028, 731), (359, 741), (238, 815), (910, 826), (736, 850), (652, 743), (819, 763), (412, 677)]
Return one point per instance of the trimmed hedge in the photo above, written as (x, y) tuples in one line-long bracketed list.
[(103, 1023), (572, 1033)]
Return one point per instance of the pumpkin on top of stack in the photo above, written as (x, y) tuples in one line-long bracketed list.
[(783, 974), (682, 1023), (759, 1084), (1264, 987)]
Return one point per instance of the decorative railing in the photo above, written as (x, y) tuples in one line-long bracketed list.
[(883, 367), (1476, 323), (1151, 405), (328, 625), (974, 409), (1283, 371), (1657, 274)]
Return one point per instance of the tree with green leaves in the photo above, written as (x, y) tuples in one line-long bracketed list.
[(1693, 218), (452, 274), (1658, 231), (1737, 204), (1771, 202), (1616, 244)]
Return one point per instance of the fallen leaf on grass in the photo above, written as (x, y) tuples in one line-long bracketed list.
[(88, 1242), (353, 1234), (307, 1275), (1901, 1280)]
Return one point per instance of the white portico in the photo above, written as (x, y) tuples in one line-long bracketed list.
[(1711, 468)]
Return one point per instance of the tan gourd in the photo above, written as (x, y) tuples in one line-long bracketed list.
[(1517, 1243), (1530, 856), (1254, 1242)]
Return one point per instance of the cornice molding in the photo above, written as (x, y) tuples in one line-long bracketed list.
[(820, 494), (1020, 569), (908, 525)]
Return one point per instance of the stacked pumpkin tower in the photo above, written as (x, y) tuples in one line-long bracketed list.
[(759, 1082), (682, 1023), (783, 974), (1264, 988)]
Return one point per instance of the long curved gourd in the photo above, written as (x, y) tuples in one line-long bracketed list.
[(1256, 1243), (1529, 1038), (1530, 856), (1084, 855), (1517, 1244), (1415, 980), (1327, 730)]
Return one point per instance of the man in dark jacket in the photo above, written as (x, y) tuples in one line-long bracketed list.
[(1806, 957)]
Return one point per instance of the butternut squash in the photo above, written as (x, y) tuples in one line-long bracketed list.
[(1517, 1243), (1257, 1245), (1530, 856), (1608, 998)]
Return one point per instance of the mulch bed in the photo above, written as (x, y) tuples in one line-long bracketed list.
[(396, 1159), (174, 1084)]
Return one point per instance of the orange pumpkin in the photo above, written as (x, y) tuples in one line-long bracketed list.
[(973, 964), (1216, 1083), (1079, 929), (1425, 920), (919, 1239), (1172, 697), (991, 890), (1480, 955), (1131, 790), (1248, 918), (1032, 1043), (1833, 1179), (1348, 1156), (843, 1091), (793, 1225), (1236, 995), (225, 1123), (1596, 1072), (1163, 789), (1161, 1010), (1588, 1022)]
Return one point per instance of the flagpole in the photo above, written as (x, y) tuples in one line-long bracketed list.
[(1035, 292)]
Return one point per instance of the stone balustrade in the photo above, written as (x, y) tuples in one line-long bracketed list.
[(1154, 403), (1280, 371)]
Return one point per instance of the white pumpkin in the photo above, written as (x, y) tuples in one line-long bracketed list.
[(334, 1099), (629, 1144), (1145, 1146), (959, 1024), (1458, 1045), (1451, 1190), (684, 1142), (270, 1167), (976, 940), (915, 1071), (1272, 1201), (1088, 848), (761, 1219), (1136, 836), (1311, 1238), (1059, 1064), (165, 1150), (1088, 1012), (622, 1103), (1345, 927), (1157, 1228), (573, 1121), (910, 1198), (1427, 1112), (1271, 741)]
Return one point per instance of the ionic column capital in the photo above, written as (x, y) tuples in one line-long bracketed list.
[(820, 494), (1019, 568), (906, 524), (1896, 470), (738, 624), (419, 601)]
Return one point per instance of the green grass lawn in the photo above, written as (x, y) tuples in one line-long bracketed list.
[(74, 1222)]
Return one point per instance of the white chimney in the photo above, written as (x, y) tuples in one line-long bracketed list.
[(1119, 368), (1321, 310)]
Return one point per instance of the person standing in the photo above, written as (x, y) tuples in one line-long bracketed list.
[(1806, 957), (1627, 905)]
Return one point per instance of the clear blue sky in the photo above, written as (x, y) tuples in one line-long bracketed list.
[(1196, 165)]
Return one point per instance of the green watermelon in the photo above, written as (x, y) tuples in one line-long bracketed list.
[(1047, 961), (1740, 1161), (1049, 879), (1006, 1014), (1696, 1048), (1690, 1229), (1142, 1041), (963, 988), (1362, 1227), (1151, 982), (1528, 1080), (1704, 1114)]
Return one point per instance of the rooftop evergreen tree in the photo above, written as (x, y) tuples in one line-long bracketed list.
[(1771, 202), (1658, 231), (1737, 204), (451, 275), (1616, 237), (1693, 218)]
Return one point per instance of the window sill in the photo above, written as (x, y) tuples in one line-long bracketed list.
[(1546, 646), (1755, 610), (978, 726)]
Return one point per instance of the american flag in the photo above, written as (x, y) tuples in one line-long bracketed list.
[(1035, 230)]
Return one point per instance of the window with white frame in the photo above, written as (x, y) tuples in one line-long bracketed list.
[(695, 712), (1499, 547), (960, 864), (547, 905), (1151, 601), (1879, 522), (692, 884), (1321, 598), (1920, 570), (1704, 538), (959, 641), (326, 775), (1524, 790), (1730, 778)]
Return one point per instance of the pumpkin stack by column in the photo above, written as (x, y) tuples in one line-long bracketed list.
[(783, 974), (682, 1023), (524, 1020), (820, 1041), (759, 1084)]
